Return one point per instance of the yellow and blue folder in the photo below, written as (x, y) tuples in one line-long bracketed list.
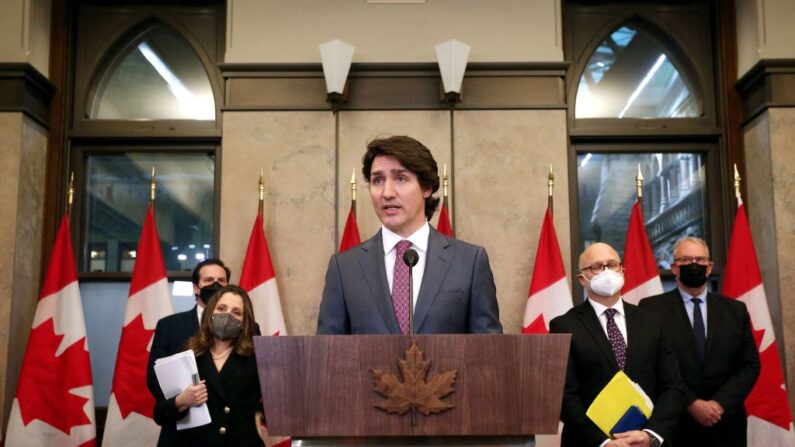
[(622, 405)]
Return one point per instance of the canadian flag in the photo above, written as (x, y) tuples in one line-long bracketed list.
[(443, 226), (641, 276), (769, 416), (549, 295), (54, 404), (259, 280), (129, 421), (350, 235)]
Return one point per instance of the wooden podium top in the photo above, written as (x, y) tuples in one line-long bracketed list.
[(322, 386)]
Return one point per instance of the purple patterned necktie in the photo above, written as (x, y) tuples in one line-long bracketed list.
[(400, 287), (616, 339)]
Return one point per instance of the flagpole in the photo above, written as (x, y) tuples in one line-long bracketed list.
[(550, 186), (737, 180), (261, 191), (353, 191), (639, 189), (70, 194), (445, 184)]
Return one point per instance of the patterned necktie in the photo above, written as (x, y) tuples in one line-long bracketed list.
[(400, 287), (616, 339), (698, 330)]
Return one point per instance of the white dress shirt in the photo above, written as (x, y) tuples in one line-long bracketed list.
[(619, 317), (419, 242)]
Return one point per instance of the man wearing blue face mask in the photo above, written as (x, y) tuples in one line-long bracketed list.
[(712, 337), (608, 335)]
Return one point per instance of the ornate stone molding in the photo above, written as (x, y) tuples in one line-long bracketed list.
[(410, 86), (24, 89), (769, 83)]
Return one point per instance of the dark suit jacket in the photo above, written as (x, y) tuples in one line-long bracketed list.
[(651, 363), (729, 370), (233, 397), (171, 333), (457, 294)]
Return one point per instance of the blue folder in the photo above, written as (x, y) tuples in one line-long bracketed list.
[(633, 419)]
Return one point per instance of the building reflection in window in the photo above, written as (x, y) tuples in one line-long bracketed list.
[(674, 196)]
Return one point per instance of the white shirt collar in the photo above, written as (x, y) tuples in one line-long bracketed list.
[(600, 308), (687, 297), (419, 239)]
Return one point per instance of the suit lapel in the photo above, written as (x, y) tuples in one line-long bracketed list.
[(437, 263), (634, 332), (589, 319), (206, 367), (372, 264)]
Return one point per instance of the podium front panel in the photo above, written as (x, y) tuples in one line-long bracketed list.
[(322, 386)]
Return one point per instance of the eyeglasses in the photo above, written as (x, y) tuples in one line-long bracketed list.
[(687, 260), (598, 267)]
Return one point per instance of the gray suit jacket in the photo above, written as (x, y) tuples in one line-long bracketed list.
[(457, 294)]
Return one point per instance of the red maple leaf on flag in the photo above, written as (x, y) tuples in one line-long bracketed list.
[(129, 380), (45, 384), (768, 393)]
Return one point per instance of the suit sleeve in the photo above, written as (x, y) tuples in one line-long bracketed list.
[(484, 312), (731, 396), (333, 315), (573, 410), (670, 396), (166, 411), (159, 350)]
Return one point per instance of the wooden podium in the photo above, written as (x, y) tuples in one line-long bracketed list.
[(320, 387)]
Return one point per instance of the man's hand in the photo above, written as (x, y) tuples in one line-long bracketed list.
[(705, 412), (191, 396), (634, 438)]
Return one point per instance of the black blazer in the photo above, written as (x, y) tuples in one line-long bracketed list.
[(729, 370), (651, 363), (233, 397)]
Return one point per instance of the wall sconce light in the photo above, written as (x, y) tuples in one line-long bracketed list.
[(452, 57), (336, 56)]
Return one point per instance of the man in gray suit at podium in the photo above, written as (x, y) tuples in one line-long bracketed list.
[(367, 287)]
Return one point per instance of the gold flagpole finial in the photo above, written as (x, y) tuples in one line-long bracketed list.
[(445, 181), (639, 183), (550, 181), (70, 194), (261, 186), (353, 184), (737, 180), (152, 187)]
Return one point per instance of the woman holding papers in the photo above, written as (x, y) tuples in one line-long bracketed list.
[(228, 382)]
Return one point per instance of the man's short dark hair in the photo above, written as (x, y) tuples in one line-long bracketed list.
[(206, 262), (414, 156)]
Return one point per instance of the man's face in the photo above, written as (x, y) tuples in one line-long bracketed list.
[(595, 259), (397, 196), (694, 252), (208, 275)]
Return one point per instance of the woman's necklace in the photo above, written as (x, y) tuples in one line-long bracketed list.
[(221, 355)]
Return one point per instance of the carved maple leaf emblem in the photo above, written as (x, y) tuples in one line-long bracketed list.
[(414, 392)]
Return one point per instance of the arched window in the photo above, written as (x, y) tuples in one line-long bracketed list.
[(157, 76), (632, 75), (641, 92)]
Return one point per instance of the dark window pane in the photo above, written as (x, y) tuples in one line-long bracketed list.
[(159, 77), (674, 194), (630, 75), (117, 193)]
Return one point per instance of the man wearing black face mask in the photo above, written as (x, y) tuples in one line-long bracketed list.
[(173, 331), (715, 348)]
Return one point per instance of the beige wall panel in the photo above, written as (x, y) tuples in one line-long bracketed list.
[(296, 151), (22, 190), (764, 31), (502, 161), (431, 128), (291, 30), (25, 33), (770, 169)]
